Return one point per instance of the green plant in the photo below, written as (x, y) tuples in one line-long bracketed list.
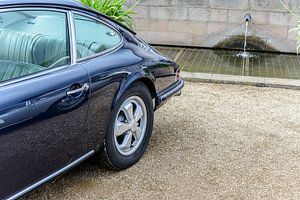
[(114, 9), (297, 28)]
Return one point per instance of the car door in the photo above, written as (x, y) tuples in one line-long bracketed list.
[(43, 99)]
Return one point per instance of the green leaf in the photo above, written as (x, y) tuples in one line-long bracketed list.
[(115, 9)]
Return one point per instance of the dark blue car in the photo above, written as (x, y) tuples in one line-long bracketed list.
[(73, 84)]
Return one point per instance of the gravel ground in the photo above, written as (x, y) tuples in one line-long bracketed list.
[(213, 142)]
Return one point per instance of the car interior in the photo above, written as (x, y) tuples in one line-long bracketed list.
[(33, 41), (26, 47)]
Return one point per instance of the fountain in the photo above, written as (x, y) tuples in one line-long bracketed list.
[(247, 19), (245, 55)]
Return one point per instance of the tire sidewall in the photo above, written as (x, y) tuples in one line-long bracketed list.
[(116, 159)]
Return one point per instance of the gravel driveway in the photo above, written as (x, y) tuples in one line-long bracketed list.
[(213, 142)]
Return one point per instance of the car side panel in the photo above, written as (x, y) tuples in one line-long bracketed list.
[(111, 75), (107, 73), (38, 136)]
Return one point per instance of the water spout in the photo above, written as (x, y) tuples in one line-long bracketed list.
[(247, 19)]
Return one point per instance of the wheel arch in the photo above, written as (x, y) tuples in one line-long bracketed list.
[(129, 81), (149, 84)]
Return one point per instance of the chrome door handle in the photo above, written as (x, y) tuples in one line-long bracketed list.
[(84, 88)]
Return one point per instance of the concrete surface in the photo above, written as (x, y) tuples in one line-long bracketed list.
[(242, 80)]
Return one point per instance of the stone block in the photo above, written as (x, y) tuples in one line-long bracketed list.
[(144, 35), (216, 28), (199, 40), (292, 34), (271, 31), (236, 16), (259, 17), (170, 38), (230, 4), (218, 15), (189, 3), (168, 13), (260, 5), (192, 27), (159, 25), (213, 40), (142, 24), (275, 5), (278, 18), (207, 41), (141, 12), (151, 24), (272, 5), (292, 20), (150, 2), (198, 14), (283, 45)]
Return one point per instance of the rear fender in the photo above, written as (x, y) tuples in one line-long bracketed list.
[(131, 79)]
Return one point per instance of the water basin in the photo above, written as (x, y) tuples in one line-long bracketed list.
[(230, 62)]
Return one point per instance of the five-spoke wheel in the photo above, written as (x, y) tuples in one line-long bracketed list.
[(130, 125), (129, 129)]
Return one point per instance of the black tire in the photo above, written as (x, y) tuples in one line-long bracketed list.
[(111, 157)]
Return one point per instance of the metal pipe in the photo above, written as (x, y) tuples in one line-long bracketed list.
[(247, 17)]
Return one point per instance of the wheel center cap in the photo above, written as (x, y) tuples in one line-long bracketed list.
[(134, 126)]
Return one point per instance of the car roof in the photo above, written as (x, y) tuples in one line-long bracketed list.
[(60, 3), (67, 3)]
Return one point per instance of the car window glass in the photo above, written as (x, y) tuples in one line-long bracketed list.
[(32, 41), (93, 37)]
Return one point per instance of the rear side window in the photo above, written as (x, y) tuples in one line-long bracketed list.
[(32, 41), (93, 37)]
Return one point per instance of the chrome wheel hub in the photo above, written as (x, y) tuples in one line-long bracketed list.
[(130, 125)]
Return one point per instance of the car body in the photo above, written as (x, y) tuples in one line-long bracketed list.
[(58, 92)]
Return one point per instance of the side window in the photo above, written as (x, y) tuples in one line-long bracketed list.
[(32, 41), (93, 37)]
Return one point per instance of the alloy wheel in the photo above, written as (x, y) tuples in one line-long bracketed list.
[(130, 125)]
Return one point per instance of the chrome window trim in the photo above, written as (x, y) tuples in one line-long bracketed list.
[(102, 53), (33, 9), (51, 176), (107, 51), (47, 71), (31, 76), (72, 37)]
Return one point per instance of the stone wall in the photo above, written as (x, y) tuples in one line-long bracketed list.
[(205, 23)]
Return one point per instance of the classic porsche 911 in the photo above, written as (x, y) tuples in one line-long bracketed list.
[(73, 84)]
